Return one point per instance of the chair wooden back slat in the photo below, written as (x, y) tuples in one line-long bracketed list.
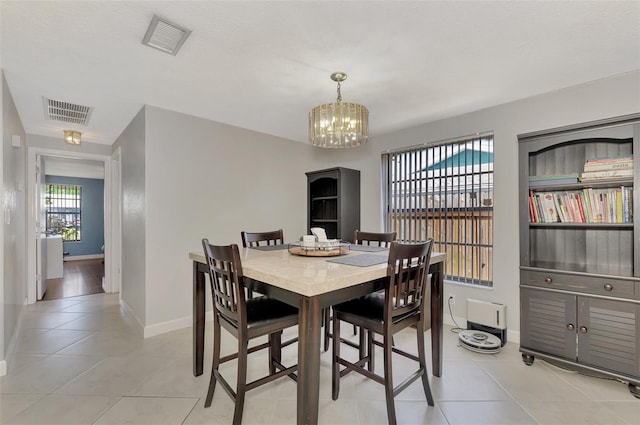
[(227, 281), (404, 306), (374, 239), (251, 239), (268, 318), (408, 270)]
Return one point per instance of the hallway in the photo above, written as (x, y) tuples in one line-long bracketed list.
[(80, 277)]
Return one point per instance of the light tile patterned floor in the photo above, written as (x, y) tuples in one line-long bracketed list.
[(78, 362)]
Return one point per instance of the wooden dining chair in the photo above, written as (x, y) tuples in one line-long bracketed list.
[(382, 239), (245, 319), (253, 239), (401, 305)]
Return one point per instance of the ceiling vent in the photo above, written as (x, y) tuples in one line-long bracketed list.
[(66, 112), (164, 35)]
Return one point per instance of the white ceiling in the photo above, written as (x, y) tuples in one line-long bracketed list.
[(263, 65)]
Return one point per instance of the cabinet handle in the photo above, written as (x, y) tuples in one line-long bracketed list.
[(583, 329), (608, 287), (548, 280), (570, 326)]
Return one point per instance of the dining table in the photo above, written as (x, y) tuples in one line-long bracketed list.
[(311, 284)]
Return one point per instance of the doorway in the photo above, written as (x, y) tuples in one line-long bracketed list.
[(79, 277), (36, 273)]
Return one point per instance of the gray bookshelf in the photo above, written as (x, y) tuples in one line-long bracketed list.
[(580, 281)]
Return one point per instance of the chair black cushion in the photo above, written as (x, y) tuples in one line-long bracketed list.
[(264, 309), (370, 307)]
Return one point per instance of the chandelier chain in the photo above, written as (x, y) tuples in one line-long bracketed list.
[(339, 94)]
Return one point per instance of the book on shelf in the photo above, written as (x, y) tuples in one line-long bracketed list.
[(607, 205), (546, 207), (553, 179)]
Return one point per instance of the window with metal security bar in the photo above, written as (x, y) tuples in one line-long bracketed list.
[(63, 210), (444, 191)]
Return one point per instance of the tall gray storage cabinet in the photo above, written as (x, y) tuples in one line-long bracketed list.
[(580, 248), (333, 201)]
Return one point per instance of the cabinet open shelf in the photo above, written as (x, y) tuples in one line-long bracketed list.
[(333, 201)]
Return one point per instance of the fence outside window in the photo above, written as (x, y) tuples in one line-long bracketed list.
[(444, 191), (63, 211)]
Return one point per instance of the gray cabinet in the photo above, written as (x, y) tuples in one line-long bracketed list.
[(580, 249), (333, 201)]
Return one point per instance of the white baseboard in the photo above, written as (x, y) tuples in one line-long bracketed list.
[(459, 320), (139, 328), (160, 328), (513, 335), (10, 349), (83, 257), (172, 325), (164, 327)]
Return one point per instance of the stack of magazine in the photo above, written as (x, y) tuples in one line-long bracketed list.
[(553, 179), (596, 170)]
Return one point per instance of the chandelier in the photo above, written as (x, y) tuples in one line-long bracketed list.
[(339, 124), (72, 137)]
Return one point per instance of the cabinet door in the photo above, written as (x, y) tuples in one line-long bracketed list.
[(608, 335), (548, 322)]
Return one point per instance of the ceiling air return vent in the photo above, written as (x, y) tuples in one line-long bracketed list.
[(66, 112), (164, 35)]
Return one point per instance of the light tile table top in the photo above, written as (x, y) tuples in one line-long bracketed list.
[(308, 276)]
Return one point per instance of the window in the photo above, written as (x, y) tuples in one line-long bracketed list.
[(444, 191), (64, 212)]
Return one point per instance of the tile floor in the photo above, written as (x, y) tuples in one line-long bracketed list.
[(78, 362)]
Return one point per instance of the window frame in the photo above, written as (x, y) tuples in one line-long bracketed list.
[(66, 193), (411, 207)]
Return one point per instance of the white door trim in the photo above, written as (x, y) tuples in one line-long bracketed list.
[(32, 206), (113, 250)]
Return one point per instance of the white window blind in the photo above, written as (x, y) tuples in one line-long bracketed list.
[(444, 191)]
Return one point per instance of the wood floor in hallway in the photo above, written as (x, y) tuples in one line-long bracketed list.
[(80, 277)]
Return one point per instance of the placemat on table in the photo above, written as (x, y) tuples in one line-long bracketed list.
[(362, 260)]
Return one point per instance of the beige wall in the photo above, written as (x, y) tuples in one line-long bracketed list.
[(132, 144), (196, 178), (594, 101), (13, 250)]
